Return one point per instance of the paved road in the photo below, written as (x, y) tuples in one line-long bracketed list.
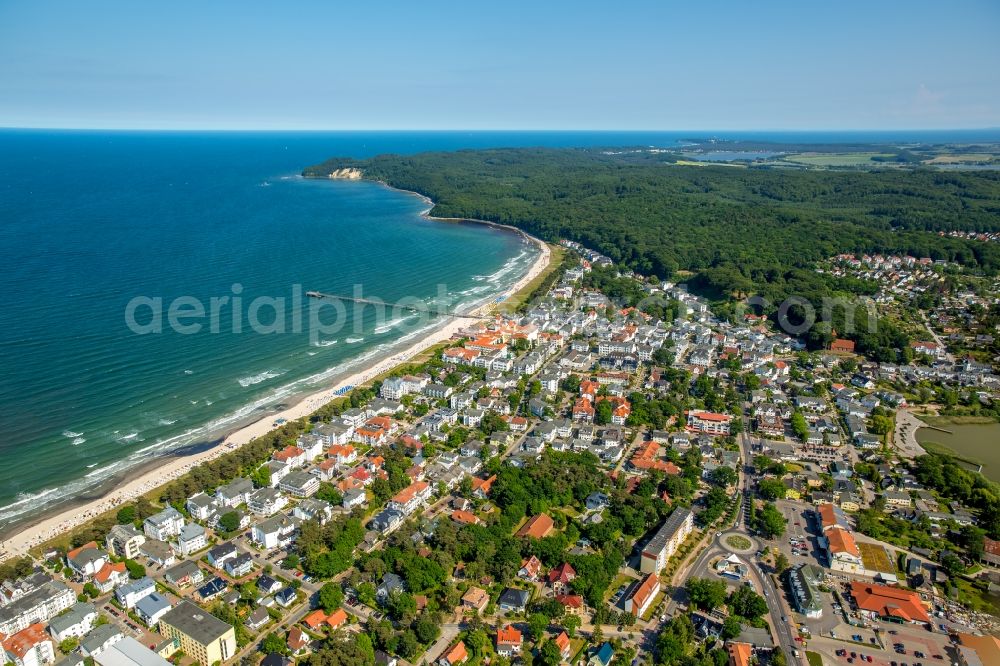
[(776, 604)]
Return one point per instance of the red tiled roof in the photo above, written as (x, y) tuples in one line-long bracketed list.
[(889, 602), (842, 541), (104, 574), (563, 573), (645, 589), (315, 619), (570, 600), (76, 551), (537, 527), (562, 642), (465, 517), (508, 635), (709, 416), (457, 654), (297, 639), (411, 491), (337, 618), (25, 640), (740, 654)]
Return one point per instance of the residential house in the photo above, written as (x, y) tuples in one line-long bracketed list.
[(124, 541), (508, 641), (191, 539), (86, 560), (164, 525), (640, 597), (128, 595)]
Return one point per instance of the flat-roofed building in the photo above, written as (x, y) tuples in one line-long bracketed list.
[(129, 652), (666, 541), (201, 635)]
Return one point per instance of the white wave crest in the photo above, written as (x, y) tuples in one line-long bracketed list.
[(257, 379)]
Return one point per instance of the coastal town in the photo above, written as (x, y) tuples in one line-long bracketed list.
[(609, 474)]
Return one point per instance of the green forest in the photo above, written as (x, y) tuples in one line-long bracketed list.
[(750, 230)]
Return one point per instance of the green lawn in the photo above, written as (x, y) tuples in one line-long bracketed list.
[(737, 541), (814, 658)]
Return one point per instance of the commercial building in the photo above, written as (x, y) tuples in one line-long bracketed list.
[(803, 580), (978, 650), (890, 603), (842, 551), (201, 635), (129, 652)]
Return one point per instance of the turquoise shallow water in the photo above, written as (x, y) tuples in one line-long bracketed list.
[(91, 222)]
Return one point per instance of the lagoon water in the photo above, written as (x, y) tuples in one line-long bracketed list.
[(91, 220)]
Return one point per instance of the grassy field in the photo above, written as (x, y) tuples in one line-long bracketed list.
[(815, 659), (959, 159), (836, 159)]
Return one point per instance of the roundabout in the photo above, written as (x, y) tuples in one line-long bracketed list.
[(736, 542)]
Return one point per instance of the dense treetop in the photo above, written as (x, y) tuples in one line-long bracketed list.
[(740, 228)]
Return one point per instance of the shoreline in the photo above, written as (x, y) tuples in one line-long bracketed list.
[(18, 540)]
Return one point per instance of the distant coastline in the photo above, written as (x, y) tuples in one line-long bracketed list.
[(354, 173), (19, 537)]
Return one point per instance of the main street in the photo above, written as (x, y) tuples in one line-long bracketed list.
[(719, 546)]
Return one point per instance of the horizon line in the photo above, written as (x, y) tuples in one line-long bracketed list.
[(465, 129)]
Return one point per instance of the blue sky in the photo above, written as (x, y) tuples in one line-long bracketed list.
[(504, 65)]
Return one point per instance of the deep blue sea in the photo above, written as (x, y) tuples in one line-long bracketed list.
[(90, 221)]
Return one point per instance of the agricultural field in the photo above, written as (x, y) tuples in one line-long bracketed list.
[(839, 159), (964, 158)]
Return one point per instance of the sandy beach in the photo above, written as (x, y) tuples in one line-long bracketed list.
[(171, 469)]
